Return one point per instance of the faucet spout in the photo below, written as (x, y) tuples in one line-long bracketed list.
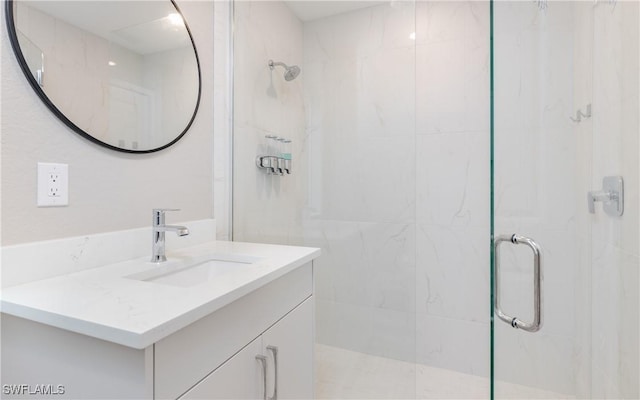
[(158, 234), (179, 230)]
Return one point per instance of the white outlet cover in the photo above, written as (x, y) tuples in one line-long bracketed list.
[(46, 185)]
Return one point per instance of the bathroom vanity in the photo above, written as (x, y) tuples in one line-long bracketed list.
[(217, 320)]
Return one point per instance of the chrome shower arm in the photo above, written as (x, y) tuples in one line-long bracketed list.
[(272, 64)]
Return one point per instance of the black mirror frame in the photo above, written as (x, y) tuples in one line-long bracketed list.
[(13, 38)]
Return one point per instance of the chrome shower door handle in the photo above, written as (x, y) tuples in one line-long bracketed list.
[(536, 324)]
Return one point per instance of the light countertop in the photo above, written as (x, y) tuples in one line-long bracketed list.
[(106, 303)]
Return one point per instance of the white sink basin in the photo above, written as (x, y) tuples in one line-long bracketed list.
[(196, 272)]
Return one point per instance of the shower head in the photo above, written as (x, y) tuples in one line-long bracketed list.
[(290, 73)]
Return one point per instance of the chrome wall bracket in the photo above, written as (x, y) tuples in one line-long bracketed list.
[(536, 324), (611, 196)]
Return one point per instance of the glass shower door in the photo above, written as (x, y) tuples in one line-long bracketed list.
[(347, 125), (565, 199)]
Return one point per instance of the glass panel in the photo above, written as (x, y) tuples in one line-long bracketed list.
[(389, 126), (349, 115), (565, 111)]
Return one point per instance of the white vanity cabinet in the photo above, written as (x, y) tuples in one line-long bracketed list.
[(213, 357), (292, 336), (278, 314), (287, 354), (238, 378)]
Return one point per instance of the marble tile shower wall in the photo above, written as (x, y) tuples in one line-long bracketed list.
[(452, 185), (397, 105), (570, 55), (390, 121), (537, 177), (616, 241), (268, 207)]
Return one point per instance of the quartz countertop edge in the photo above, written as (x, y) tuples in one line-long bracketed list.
[(102, 303)]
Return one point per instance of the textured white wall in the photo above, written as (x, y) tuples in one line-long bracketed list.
[(107, 190)]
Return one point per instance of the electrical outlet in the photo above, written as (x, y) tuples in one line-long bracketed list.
[(53, 185)]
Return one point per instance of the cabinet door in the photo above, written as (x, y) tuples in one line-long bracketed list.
[(293, 338), (240, 377)]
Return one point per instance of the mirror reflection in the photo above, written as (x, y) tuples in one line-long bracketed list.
[(123, 73)]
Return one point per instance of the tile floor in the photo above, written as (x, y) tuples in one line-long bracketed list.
[(344, 374)]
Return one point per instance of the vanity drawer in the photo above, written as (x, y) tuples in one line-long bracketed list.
[(184, 358)]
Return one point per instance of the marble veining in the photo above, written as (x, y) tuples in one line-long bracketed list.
[(103, 303), (395, 100), (344, 374), (396, 119), (24, 262)]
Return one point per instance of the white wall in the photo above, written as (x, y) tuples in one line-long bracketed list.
[(108, 190)]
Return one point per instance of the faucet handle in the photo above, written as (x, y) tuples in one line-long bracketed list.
[(158, 215), (611, 196), (594, 196), (161, 210)]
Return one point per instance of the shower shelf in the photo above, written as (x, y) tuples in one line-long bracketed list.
[(273, 165), (280, 163)]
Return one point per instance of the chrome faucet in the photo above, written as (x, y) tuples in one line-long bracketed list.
[(159, 228)]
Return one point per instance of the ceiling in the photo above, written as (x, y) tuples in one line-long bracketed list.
[(308, 10), (140, 26)]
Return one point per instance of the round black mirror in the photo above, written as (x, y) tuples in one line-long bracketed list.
[(123, 74)]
